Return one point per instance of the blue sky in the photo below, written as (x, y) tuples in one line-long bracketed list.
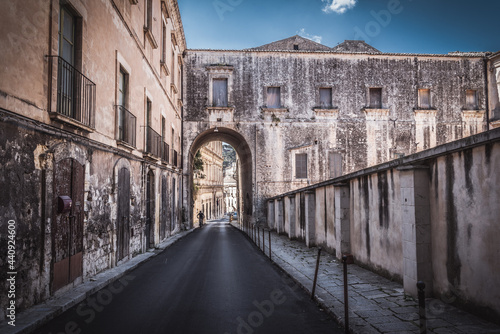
[(415, 26)]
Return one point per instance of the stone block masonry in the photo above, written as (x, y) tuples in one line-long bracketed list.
[(431, 216)]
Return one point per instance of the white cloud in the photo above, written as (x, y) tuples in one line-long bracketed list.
[(314, 38), (338, 6)]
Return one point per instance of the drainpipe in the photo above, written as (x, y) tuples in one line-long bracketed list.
[(186, 211), (486, 93), (255, 173)]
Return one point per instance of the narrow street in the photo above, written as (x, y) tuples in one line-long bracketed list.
[(212, 281)]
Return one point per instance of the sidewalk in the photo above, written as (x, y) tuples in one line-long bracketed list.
[(30, 319), (376, 304)]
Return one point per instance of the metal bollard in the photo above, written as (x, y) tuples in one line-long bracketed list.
[(263, 241), (270, 245), (257, 236), (316, 274), (346, 259), (421, 307)]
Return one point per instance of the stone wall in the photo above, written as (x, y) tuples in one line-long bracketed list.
[(361, 135), (47, 151), (430, 216)]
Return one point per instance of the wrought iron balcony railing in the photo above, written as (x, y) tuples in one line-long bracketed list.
[(153, 142), (126, 125), (165, 153), (76, 94)]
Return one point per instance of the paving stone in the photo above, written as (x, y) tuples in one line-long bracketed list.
[(408, 316), (368, 313), (384, 303), (398, 326), (381, 319), (406, 309), (451, 330)]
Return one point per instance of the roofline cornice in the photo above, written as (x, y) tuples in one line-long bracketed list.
[(480, 55)]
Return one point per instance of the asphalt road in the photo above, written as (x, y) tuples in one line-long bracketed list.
[(212, 281)]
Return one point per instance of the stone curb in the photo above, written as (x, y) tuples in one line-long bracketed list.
[(34, 317)]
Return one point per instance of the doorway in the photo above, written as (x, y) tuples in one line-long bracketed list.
[(67, 222), (123, 214), (150, 209)]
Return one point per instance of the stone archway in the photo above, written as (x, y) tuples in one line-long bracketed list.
[(242, 148)]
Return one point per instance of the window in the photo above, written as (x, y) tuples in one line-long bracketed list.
[(165, 149), (376, 98), (219, 92), (163, 128), (325, 98), (75, 92), (148, 5), (301, 166), (471, 99), (172, 142), (173, 64), (122, 87), (335, 164), (148, 112), (126, 120), (424, 98), (67, 36), (295, 46), (163, 59), (273, 97)]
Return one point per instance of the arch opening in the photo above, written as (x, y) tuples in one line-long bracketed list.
[(245, 170)]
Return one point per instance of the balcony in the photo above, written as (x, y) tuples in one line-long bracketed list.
[(165, 153), (126, 126), (153, 142), (75, 97)]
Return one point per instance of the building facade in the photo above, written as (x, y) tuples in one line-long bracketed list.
[(493, 70), (231, 188), (209, 183), (299, 113), (90, 137)]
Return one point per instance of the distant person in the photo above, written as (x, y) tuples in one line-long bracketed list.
[(201, 216)]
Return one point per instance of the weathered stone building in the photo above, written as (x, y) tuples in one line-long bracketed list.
[(231, 188), (209, 183), (299, 113), (493, 70), (90, 128), (102, 107)]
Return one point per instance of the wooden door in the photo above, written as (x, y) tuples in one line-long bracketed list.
[(150, 209), (123, 214), (164, 207), (67, 227)]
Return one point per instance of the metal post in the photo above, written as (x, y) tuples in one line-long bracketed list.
[(316, 274), (346, 297), (270, 245), (263, 241), (421, 307), (258, 236)]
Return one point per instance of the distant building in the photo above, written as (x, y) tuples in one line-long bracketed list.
[(209, 183), (231, 188)]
